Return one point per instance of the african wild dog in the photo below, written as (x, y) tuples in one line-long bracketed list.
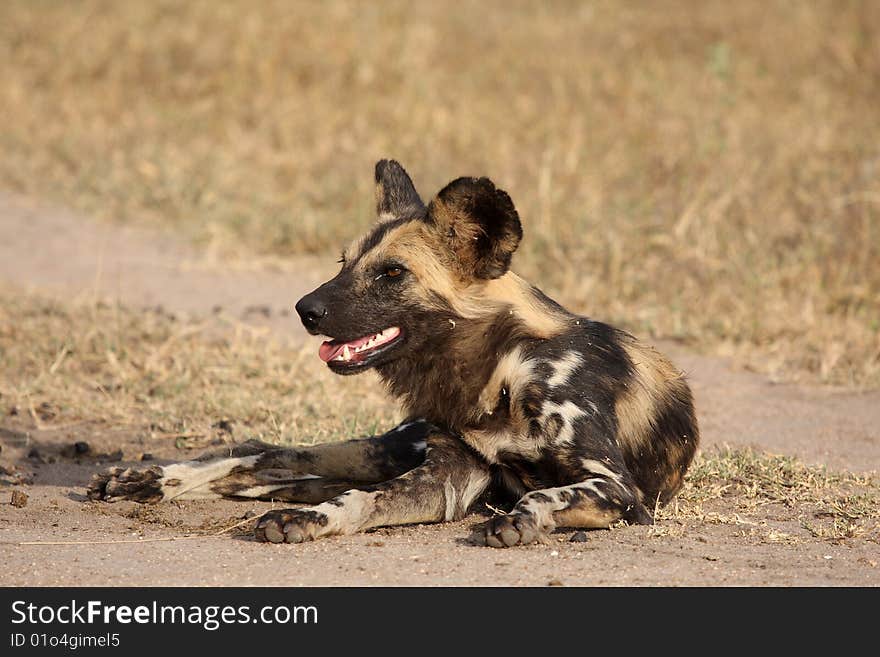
[(504, 391)]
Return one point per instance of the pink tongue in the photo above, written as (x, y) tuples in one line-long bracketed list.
[(331, 349)]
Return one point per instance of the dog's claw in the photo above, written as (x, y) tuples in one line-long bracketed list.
[(507, 531), (273, 534), (126, 484), (289, 526)]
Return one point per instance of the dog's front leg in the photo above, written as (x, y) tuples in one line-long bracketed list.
[(310, 474), (442, 488)]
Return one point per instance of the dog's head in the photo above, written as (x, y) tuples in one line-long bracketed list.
[(406, 280)]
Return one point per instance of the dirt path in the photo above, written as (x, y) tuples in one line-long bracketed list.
[(54, 251)]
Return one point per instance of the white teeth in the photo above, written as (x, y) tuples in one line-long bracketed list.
[(366, 345), (379, 338)]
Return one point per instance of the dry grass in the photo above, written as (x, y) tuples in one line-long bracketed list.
[(106, 365), (749, 486), (700, 170)]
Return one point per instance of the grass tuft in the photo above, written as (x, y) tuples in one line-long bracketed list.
[(750, 486), (177, 379)]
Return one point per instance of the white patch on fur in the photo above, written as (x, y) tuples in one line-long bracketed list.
[(563, 368), (475, 485), (451, 498), (195, 474), (599, 468), (259, 491), (542, 511), (420, 446), (591, 485), (569, 412), (349, 517), (512, 371)]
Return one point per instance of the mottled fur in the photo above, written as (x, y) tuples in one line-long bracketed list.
[(506, 391)]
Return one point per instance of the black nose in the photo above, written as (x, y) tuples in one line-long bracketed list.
[(311, 311)]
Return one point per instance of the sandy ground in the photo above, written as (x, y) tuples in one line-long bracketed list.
[(52, 251)]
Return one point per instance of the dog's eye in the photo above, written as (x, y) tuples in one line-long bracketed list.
[(393, 272)]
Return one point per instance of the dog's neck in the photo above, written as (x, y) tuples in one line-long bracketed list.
[(442, 384)]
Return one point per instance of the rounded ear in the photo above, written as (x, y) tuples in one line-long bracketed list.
[(396, 196), (479, 224)]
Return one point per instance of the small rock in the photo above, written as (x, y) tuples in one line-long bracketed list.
[(555, 582), (578, 537), (19, 499), (81, 447), (249, 514), (34, 454), (146, 456), (45, 411)]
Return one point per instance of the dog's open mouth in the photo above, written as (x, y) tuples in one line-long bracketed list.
[(359, 352)]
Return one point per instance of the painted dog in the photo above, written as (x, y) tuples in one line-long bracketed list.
[(505, 392)]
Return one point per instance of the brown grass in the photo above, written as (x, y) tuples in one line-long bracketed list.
[(744, 487), (700, 170), (67, 363)]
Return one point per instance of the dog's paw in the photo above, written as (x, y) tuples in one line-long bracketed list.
[(507, 531), (143, 486), (290, 526)]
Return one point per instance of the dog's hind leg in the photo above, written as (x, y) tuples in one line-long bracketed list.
[(605, 496), (259, 470), (442, 488)]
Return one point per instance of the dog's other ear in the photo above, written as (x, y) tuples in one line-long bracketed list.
[(396, 196), (479, 224)]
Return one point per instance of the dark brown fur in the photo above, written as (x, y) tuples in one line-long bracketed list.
[(505, 390)]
